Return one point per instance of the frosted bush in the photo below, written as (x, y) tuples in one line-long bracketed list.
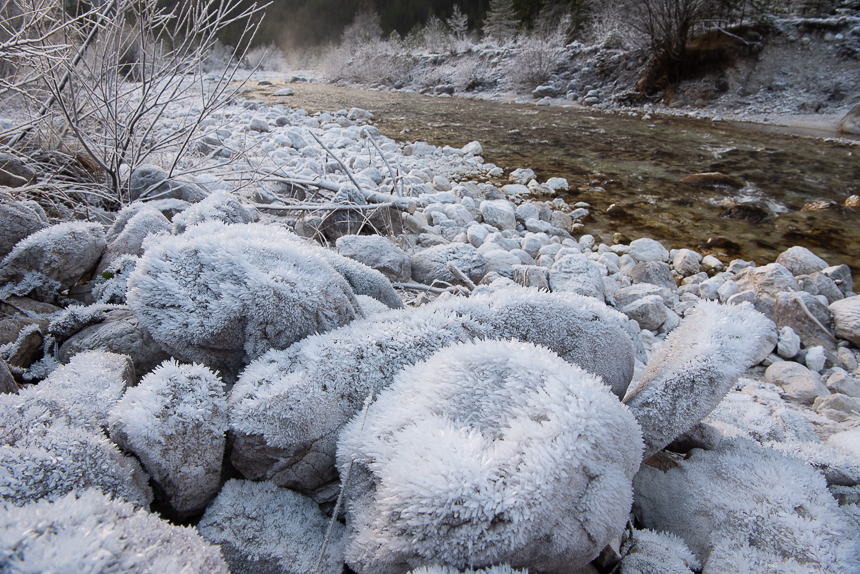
[(174, 421), (45, 454), (748, 509), (694, 368), (259, 523), (93, 533), (657, 553), (486, 453), (218, 206), (223, 295), (287, 407)]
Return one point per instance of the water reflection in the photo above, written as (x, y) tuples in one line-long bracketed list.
[(633, 166)]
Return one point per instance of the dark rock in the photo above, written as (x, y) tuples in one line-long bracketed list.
[(713, 180), (13, 172), (7, 382), (17, 221), (746, 212)]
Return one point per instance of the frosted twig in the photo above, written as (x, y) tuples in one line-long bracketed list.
[(460, 276), (343, 485), (399, 192), (337, 159)]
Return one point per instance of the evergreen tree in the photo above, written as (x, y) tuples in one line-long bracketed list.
[(458, 23), (501, 21)]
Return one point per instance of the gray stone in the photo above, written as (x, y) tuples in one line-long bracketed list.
[(150, 182), (728, 290), (820, 284), (499, 213), (17, 221), (686, 262), (526, 211), (789, 311), (432, 264), (742, 297), (576, 274), (646, 249), (709, 289), (627, 295), (847, 358), (837, 407), (815, 359), (561, 220), (63, 253), (648, 311), (531, 276), (789, 343), (523, 256), (801, 261), (120, 333), (13, 172), (7, 382), (654, 272), (521, 176), (377, 253), (846, 316), (841, 382), (501, 262), (771, 280), (797, 381), (841, 275)]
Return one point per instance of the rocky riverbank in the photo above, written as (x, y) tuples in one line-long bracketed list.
[(494, 386)]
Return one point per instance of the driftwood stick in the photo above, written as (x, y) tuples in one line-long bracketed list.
[(321, 206), (461, 277), (388, 165)]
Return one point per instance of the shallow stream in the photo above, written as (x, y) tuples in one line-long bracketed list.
[(628, 169)]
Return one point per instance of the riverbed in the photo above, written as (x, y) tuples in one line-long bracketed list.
[(627, 168)]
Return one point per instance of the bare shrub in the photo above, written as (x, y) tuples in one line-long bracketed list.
[(364, 28), (111, 94), (435, 35), (376, 62), (540, 52)]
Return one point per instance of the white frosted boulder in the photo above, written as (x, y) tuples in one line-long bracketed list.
[(53, 259), (487, 453), (223, 295), (748, 509), (174, 421), (287, 407), (129, 241), (576, 274), (650, 552), (46, 453), (218, 206), (93, 533), (262, 529), (695, 367)]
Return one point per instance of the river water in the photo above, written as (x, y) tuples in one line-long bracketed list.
[(628, 169)]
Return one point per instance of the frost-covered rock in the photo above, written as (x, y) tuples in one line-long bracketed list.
[(847, 440), (54, 258), (119, 332), (437, 569), (174, 421), (521, 176), (806, 315), (577, 274), (648, 311), (431, 264), (148, 183), (499, 213), (647, 249), (653, 272), (789, 343), (223, 294), (657, 553), (627, 295), (686, 262), (490, 452), (287, 407), (262, 529), (91, 384), (146, 221), (377, 253), (801, 261), (846, 316), (17, 221), (695, 367), (93, 533), (47, 452), (111, 285), (770, 280), (748, 509), (218, 206)]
